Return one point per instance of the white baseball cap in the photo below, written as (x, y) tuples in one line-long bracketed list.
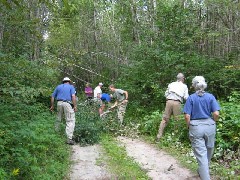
[(100, 84), (66, 79)]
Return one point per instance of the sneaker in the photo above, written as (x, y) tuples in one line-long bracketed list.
[(70, 142)]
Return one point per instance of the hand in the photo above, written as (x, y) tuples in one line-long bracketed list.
[(125, 101), (51, 108), (75, 109)]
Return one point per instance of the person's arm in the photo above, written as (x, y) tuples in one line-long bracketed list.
[(187, 119), (115, 104), (126, 95), (186, 95), (52, 104), (74, 102), (167, 91), (90, 91), (215, 115)]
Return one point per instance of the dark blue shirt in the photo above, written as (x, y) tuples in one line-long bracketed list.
[(201, 107), (64, 92), (106, 97)]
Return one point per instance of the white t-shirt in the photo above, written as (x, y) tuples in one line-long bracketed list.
[(97, 91)]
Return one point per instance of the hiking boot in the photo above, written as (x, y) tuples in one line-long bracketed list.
[(70, 142)]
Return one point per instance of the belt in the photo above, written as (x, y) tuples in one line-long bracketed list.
[(62, 100), (174, 100), (198, 119)]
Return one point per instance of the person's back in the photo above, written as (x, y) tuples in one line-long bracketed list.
[(63, 92), (201, 113), (97, 90), (106, 97), (202, 106), (119, 94), (175, 94), (178, 88), (88, 91)]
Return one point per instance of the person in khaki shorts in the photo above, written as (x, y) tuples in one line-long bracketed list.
[(175, 94), (66, 104), (121, 97)]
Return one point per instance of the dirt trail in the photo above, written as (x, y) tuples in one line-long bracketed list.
[(85, 165), (158, 164)]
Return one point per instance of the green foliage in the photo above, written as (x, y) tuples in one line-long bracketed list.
[(178, 26), (88, 127), (24, 81), (30, 149), (151, 123), (22, 28), (228, 135)]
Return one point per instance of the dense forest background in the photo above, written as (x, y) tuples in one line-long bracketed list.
[(139, 45)]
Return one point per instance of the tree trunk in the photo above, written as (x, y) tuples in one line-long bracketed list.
[(1, 32)]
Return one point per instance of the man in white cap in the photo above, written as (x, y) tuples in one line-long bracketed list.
[(97, 91), (66, 104), (175, 94)]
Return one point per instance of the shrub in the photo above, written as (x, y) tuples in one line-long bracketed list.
[(228, 135), (88, 126), (30, 149)]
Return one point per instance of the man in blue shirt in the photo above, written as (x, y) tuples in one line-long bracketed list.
[(201, 113), (66, 104), (105, 99)]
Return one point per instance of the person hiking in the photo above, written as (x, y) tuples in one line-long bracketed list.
[(66, 104), (97, 91), (121, 102), (201, 113), (88, 92), (175, 94), (105, 99)]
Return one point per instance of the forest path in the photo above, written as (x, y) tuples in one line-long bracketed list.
[(157, 163)]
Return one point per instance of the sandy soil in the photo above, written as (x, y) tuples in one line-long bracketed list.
[(85, 164), (158, 164)]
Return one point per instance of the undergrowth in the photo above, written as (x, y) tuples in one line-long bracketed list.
[(225, 161), (29, 146)]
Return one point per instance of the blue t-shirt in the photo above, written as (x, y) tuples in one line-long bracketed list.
[(64, 92), (201, 107), (106, 97)]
